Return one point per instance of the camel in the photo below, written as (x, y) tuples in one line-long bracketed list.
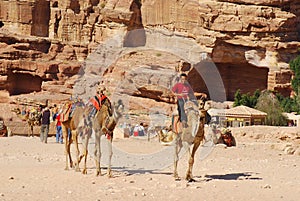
[(33, 118), (71, 124), (103, 123), (192, 135)]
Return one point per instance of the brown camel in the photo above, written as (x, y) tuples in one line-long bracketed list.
[(78, 124), (103, 123), (71, 124), (192, 135), (33, 118)]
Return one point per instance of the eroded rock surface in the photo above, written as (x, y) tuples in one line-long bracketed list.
[(49, 41)]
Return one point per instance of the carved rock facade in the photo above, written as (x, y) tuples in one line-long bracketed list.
[(249, 41)]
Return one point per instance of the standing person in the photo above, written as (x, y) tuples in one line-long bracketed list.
[(59, 136), (45, 124), (141, 130), (182, 90)]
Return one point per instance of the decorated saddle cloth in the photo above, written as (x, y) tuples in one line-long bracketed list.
[(186, 133), (68, 110), (97, 102)]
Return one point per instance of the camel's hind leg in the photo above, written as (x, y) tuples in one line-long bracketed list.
[(75, 140), (178, 146), (85, 153)]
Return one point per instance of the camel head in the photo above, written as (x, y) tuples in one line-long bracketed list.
[(112, 119), (166, 135), (201, 101)]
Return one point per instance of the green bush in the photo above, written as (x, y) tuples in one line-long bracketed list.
[(269, 103), (246, 99), (288, 104), (295, 67)]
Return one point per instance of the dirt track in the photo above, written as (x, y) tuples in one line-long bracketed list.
[(254, 170)]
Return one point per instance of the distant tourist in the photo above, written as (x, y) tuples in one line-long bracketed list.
[(139, 130), (57, 119), (45, 124)]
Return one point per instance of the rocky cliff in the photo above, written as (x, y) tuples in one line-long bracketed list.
[(44, 44)]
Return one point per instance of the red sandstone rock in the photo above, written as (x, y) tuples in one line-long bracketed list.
[(52, 39)]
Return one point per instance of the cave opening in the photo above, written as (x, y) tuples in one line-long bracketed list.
[(245, 77), (22, 83)]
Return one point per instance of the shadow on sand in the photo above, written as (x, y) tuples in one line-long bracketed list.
[(206, 178), (140, 171), (234, 176)]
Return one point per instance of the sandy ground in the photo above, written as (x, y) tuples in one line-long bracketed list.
[(258, 168)]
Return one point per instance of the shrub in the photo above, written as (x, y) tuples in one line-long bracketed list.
[(268, 102), (246, 99), (295, 67)]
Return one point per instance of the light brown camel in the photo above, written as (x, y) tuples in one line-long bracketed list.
[(78, 124), (192, 135), (71, 124), (33, 118), (103, 123)]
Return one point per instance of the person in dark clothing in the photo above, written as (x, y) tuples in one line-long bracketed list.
[(45, 121)]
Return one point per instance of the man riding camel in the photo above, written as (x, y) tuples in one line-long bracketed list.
[(97, 100), (184, 92)]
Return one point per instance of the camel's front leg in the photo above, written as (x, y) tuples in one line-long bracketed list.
[(67, 147), (110, 153), (97, 152), (189, 175), (178, 146)]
